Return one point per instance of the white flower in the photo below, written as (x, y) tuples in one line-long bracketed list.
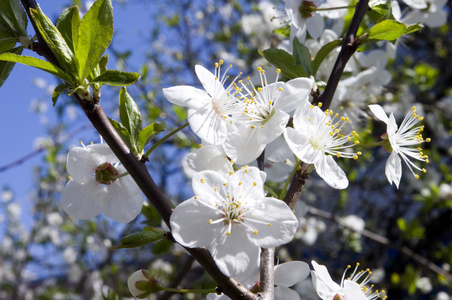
[(232, 218), (286, 275), (400, 143), (432, 14), (315, 136), (95, 186), (353, 288), (304, 19), (263, 115), (208, 157), (417, 4), (208, 111)]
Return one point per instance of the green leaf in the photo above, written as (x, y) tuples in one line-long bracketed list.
[(130, 116), (148, 133), (402, 224), (285, 62), (94, 36), (68, 25), (162, 246), (13, 17), (388, 30), (57, 92), (116, 78), (36, 63), (103, 63), (302, 56), (140, 238), (381, 12), (323, 53), (122, 131), (6, 66), (414, 27), (7, 41), (57, 44)]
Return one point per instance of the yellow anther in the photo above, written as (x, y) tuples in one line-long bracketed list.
[(319, 104), (356, 142), (203, 180), (269, 224), (278, 71), (428, 140), (254, 183), (255, 231), (338, 154)]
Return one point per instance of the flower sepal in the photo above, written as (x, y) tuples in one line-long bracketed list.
[(141, 284)]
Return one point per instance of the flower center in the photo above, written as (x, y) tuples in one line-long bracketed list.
[(106, 173), (306, 9)]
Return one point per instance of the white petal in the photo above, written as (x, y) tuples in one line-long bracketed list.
[(325, 286), (211, 84), (274, 221), (315, 25), (329, 170), (189, 224), (208, 126), (416, 4), (284, 293), (242, 146), (102, 153), (353, 291), (379, 112), (210, 158), (290, 273), (210, 185), (124, 201), (294, 93), (187, 96), (237, 256), (247, 184), (393, 169), (300, 145), (83, 201), (81, 164), (278, 150), (273, 128)]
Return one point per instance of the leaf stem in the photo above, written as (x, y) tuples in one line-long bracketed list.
[(164, 139)]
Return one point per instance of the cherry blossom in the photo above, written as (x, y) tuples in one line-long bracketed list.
[(315, 137), (352, 287), (209, 110), (232, 218), (400, 142), (99, 184), (264, 114)]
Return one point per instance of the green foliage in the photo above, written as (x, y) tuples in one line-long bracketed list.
[(387, 30), (94, 36), (302, 56), (147, 236), (36, 63), (13, 20), (68, 25), (130, 128), (285, 62), (116, 78), (7, 66), (57, 92), (57, 44)]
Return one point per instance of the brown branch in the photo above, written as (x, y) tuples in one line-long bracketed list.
[(384, 241), (267, 274)]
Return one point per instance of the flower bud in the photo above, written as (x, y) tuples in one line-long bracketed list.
[(141, 284)]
